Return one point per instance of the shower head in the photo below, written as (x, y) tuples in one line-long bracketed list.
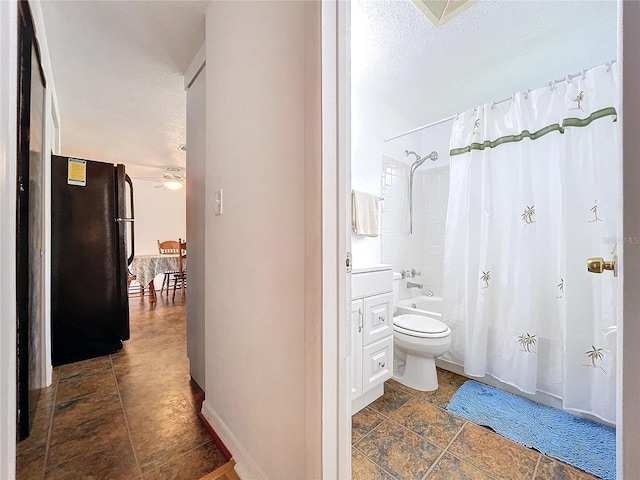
[(433, 156), (407, 153)]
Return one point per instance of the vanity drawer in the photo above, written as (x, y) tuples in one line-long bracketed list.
[(377, 362), (378, 317), (371, 283)]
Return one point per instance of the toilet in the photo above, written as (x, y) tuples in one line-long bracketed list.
[(417, 341)]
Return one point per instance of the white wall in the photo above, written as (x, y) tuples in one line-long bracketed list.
[(262, 133), (196, 215), (371, 123), (160, 215)]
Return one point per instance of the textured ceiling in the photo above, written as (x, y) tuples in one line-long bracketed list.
[(487, 52), (118, 65), (118, 68)]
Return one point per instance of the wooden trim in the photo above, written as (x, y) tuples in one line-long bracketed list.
[(216, 438), (225, 472)]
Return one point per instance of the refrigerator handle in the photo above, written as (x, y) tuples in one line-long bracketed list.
[(133, 243)]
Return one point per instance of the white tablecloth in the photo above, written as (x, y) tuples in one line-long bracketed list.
[(146, 267)]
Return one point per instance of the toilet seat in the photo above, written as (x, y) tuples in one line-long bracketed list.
[(420, 326)]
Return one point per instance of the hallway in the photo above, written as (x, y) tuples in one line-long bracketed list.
[(130, 415)]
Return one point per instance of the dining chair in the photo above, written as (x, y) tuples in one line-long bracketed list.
[(168, 247), (180, 278), (130, 278)]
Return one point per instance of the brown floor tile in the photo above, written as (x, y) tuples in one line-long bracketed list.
[(494, 454), (363, 469), (550, 469), (445, 377), (156, 338), (191, 466), (89, 427), (363, 422), (114, 461), (448, 384), (391, 401), (452, 468), (402, 453), (164, 430), (32, 469), (194, 394), (42, 418), (139, 389), (440, 397), (81, 385), (92, 421), (32, 449), (147, 361), (398, 386), (429, 421), (85, 367)]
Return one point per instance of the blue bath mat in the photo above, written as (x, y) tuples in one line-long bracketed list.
[(582, 443)]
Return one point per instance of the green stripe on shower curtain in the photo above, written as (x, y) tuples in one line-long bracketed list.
[(567, 122)]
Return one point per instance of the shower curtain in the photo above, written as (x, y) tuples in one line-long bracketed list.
[(536, 190)]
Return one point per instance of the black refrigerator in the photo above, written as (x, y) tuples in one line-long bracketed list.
[(92, 246)]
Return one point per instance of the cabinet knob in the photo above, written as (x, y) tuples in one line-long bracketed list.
[(382, 318), (382, 364)]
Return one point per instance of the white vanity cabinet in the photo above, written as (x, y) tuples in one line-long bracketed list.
[(371, 334)]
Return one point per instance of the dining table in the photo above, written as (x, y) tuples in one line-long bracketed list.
[(147, 267)]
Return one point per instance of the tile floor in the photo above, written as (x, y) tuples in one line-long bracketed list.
[(130, 415), (407, 434)]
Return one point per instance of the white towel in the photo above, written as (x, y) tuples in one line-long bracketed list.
[(365, 214)]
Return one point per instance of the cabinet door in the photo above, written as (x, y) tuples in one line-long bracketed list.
[(357, 331), (377, 363), (378, 317)]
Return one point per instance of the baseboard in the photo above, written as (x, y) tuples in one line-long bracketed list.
[(245, 467), (367, 398), (216, 438)]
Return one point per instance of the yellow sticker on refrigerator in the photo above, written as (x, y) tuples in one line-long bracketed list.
[(77, 172)]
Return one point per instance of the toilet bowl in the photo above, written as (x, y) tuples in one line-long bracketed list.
[(417, 341)]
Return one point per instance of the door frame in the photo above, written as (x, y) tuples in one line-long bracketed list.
[(8, 144), (628, 388), (336, 240)]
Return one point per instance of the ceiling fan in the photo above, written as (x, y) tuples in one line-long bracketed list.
[(172, 178)]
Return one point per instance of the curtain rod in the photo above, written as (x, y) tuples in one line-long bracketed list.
[(550, 84)]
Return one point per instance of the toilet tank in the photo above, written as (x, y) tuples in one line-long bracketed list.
[(396, 290)]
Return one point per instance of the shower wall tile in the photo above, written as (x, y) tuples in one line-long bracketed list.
[(424, 249), (437, 186)]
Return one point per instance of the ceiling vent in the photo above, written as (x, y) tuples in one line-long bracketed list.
[(440, 11)]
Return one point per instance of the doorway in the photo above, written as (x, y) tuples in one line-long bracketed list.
[(29, 221), (631, 13)]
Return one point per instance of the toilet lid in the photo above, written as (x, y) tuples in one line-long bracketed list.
[(420, 324)]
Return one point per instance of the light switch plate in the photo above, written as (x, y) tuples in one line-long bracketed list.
[(218, 200)]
